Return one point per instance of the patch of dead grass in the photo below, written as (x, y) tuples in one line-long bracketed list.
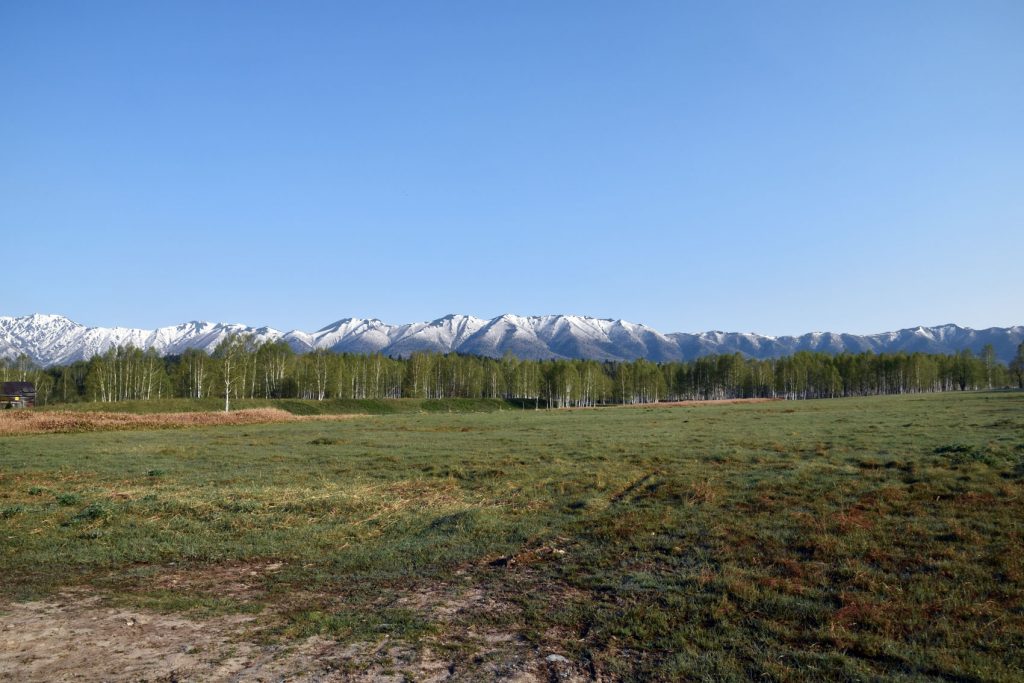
[(19, 422)]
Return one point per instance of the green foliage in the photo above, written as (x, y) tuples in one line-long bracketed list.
[(1017, 367), (89, 513), (126, 373), (241, 370)]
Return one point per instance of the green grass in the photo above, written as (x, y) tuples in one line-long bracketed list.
[(297, 406), (850, 539)]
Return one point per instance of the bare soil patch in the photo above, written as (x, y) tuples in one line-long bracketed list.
[(73, 637), (78, 636), (16, 422)]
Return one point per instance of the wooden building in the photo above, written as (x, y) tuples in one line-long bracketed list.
[(17, 395)]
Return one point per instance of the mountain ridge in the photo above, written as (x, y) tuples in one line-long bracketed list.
[(50, 339)]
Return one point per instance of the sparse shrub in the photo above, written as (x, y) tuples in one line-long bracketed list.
[(89, 513), (962, 454), (955, 448), (453, 523), (239, 506), (1018, 470), (702, 492)]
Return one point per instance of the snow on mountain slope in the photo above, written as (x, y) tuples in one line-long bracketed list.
[(56, 340), (442, 335), (357, 336), (507, 334)]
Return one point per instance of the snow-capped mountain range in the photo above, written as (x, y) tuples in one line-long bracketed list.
[(56, 340)]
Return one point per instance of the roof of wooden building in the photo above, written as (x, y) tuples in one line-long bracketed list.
[(17, 388)]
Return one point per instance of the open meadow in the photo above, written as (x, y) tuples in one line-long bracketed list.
[(845, 539)]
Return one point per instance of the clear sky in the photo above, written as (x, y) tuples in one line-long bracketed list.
[(778, 167)]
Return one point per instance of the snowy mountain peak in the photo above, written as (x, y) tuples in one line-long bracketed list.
[(50, 339)]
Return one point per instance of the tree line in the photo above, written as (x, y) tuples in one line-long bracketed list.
[(241, 368)]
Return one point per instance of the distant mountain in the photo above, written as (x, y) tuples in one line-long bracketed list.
[(56, 340)]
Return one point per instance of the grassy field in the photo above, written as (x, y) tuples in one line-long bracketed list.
[(850, 539), (296, 406)]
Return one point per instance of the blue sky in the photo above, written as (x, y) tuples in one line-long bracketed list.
[(777, 167)]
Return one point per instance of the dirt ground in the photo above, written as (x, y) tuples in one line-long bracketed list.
[(73, 637)]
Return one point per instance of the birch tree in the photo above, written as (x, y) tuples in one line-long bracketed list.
[(231, 353)]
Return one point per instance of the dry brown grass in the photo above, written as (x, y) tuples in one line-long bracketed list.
[(14, 422)]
